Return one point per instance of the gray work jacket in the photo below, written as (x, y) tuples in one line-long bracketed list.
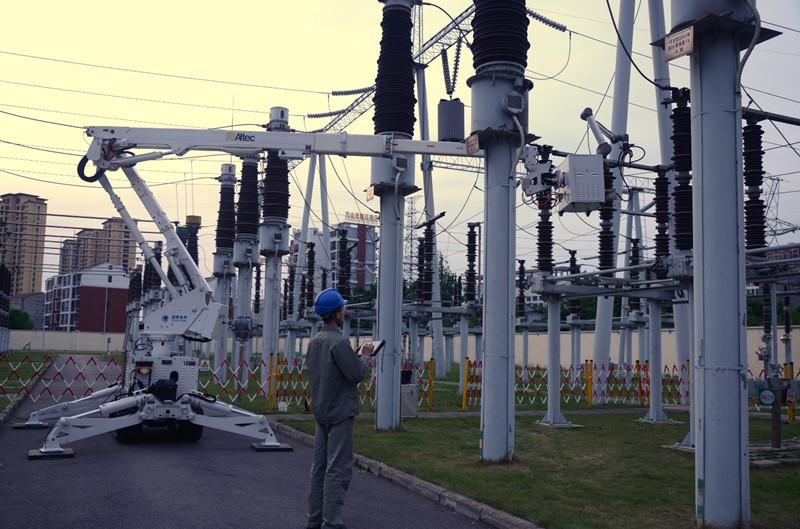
[(334, 372)]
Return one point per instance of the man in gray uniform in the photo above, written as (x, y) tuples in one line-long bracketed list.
[(334, 372)]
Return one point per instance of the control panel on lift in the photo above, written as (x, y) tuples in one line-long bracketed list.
[(181, 370)]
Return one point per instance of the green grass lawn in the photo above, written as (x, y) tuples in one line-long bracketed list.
[(611, 473)]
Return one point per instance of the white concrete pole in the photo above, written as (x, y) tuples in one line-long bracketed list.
[(437, 332), (722, 479), (554, 417), (619, 125), (656, 413)]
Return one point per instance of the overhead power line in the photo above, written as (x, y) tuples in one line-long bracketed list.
[(160, 74), (130, 98)]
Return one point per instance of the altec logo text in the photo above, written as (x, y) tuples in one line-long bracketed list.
[(238, 136)]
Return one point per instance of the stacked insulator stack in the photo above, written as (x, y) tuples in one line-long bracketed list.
[(257, 298), (323, 280), (635, 303), (427, 279), (226, 219), (501, 33), (754, 235), (520, 308), (606, 236), (574, 268), (135, 286), (247, 218), (275, 194), (662, 218), (301, 304), (682, 159), (394, 85), (285, 304), (311, 262), (287, 294), (343, 275), (767, 293), (544, 243), (420, 268), (151, 280), (193, 223), (472, 253)]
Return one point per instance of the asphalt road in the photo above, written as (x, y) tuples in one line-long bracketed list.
[(217, 482)]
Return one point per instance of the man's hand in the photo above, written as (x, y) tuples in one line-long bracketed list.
[(366, 349)]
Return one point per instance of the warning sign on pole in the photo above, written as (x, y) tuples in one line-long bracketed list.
[(766, 397), (679, 43)]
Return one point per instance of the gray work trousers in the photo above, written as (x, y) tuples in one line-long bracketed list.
[(331, 473)]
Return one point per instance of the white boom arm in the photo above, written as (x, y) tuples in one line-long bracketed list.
[(110, 141)]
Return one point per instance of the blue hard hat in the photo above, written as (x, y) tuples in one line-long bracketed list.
[(328, 301)]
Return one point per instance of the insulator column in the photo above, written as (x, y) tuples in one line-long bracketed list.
[(610, 212), (574, 268), (635, 303), (343, 275), (285, 304), (257, 294), (392, 179), (274, 240), (544, 242), (500, 118), (607, 235), (193, 223), (420, 268), (662, 220), (290, 283), (311, 261), (682, 158), (520, 310), (722, 476), (574, 320), (427, 291), (753, 179), (472, 253), (223, 259), (245, 257), (303, 304)]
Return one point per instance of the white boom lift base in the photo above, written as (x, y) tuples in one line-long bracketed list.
[(127, 415)]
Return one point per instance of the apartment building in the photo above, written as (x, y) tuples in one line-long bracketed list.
[(23, 218), (90, 300), (113, 244)]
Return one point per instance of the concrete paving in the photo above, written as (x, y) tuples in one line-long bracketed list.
[(217, 482)]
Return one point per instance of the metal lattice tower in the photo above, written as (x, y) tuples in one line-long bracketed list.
[(409, 244)]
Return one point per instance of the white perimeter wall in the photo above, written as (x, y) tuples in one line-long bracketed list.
[(537, 345)]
